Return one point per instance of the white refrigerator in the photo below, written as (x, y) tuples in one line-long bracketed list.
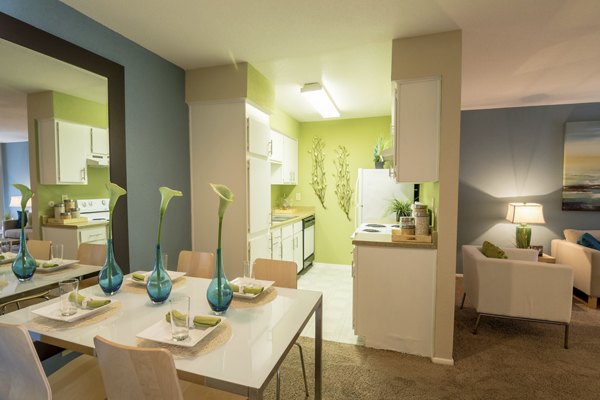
[(374, 191)]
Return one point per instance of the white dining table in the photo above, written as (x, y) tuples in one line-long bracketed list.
[(261, 335), (12, 289)]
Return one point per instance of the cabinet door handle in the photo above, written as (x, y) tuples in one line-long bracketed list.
[(270, 148)]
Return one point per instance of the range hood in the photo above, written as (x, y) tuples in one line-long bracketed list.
[(97, 160)]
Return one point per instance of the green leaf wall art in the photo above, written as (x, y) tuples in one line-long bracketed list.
[(343, 189), (318, 181)]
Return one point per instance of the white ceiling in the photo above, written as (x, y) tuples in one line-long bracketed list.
[(515, 52), (25, 71)]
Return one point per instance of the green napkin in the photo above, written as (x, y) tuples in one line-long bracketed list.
[(138, 276), (247, 290), (2, 257), (90, 303), (199, 320), (49, 265)]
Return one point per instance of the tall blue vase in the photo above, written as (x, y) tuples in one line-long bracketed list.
[(219, 293), (24, 264), (110, 277), (159, 283)]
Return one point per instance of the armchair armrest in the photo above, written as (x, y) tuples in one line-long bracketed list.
[(585, 262), (525, 289)]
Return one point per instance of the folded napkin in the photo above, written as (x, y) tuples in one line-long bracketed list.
[(49, 265), (88, 302), (3, 283), (199, 320), (2, 256), (247, 290), (138, 276)]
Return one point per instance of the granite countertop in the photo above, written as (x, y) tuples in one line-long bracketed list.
[(299, 213), (387, 242), (78, 225)]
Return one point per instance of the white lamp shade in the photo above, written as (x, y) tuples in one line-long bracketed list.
[(320, 100), (525, 213), (15, 201)]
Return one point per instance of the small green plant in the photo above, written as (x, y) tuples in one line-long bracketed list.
[(343, 188), (318, 180), (400, 208), (7, 215), (380, 146)]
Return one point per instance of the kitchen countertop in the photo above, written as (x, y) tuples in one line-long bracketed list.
[(387, 242), (299, 214), (77, 226)]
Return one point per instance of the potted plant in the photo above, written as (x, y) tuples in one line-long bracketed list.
[(400, 208), (380, 146)]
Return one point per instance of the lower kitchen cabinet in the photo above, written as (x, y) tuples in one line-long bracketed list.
[(258, 247), (71, 236), (287, 243), (393, 297), (298, 242)]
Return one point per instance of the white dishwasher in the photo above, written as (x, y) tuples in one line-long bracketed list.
[(308, 234)]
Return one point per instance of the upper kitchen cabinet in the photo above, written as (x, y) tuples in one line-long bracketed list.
[(63, 147), (259, 137), (276, 147), (285, 171), (416, 129)]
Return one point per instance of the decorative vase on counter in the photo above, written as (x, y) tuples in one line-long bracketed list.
[(219, 293), (159, 283), (24, 264), (110, 277), (379, 164)]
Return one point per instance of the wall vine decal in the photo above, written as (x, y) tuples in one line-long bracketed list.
[(318, 181), (343, 188)]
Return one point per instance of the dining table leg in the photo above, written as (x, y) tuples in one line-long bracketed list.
[(318, 349)]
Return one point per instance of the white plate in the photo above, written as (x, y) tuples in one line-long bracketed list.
[(52, 311), (161, 332), (8, 257), (253, 282), (173, 274), (61, 264)]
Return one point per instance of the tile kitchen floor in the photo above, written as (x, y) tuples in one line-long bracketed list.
[(335, 282)]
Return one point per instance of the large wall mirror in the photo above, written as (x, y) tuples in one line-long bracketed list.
[(44, 76)]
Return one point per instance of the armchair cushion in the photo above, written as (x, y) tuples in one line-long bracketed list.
[(492, 251), (572, 235), (588, 240)]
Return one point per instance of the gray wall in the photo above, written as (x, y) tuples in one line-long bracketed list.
[(15, 169), (516, 155), (157, 144)]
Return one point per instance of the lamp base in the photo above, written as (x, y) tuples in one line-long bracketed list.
[(523, 236)]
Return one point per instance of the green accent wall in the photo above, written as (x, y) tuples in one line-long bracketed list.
[(429, 193), (260, 90), (81, 111), (283, 123), (333, 230)]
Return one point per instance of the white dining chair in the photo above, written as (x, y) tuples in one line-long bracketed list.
[(22, 375), (91, 254), (284, 274), (145, 374), (196, 263), (39, 249)]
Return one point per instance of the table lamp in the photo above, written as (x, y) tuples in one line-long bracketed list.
[(15, 202), (523, 214)]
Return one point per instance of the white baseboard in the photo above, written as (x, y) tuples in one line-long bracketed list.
[(442, 361)]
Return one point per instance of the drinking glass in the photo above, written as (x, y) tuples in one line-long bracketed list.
[(5, 246), (56, 252), (68, 306), (165, 258), (180, 317), (248, 271)]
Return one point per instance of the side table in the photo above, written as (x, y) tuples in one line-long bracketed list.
[(547, 259)]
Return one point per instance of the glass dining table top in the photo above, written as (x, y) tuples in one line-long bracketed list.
[(260, 336), (11, 288)]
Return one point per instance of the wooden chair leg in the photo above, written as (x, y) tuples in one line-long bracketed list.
[(462, 303), (566, 336), (592, 302)]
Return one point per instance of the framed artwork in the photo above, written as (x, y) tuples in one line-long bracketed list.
[(581, 173)]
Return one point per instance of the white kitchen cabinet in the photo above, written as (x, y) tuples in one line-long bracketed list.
[(259, 199), (259, 137), (416, 125), (99, 142), (290, 161), (71, 236), (398, 283), (62, 148), (298, 246), (287, 242), (259, 247), (276, 147), (276, 244)]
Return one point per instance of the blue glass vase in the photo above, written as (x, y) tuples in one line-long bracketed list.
[(110, 277), (219, 293), (24, 264), (159, 283)]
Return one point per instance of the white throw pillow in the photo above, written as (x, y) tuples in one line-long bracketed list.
[(572, 235)]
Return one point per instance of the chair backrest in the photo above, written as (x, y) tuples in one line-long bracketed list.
[(39, 249), (282, 272), (91, 254), (196, 263), (137, 373), (21, 372)]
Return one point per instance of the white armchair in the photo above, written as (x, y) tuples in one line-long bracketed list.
[(518, 287)]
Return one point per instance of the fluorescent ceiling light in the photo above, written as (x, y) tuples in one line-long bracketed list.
[(320, 100)]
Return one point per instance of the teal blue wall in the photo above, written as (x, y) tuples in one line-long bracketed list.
[(156, 123), (15, 169)]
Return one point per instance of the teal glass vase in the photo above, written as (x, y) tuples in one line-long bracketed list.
[(219, 293), (24, 264), (110, 277), (159, 283)]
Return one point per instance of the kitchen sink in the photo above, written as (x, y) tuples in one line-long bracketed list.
[(281, 218)]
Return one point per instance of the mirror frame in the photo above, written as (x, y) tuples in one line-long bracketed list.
[(23, 34)]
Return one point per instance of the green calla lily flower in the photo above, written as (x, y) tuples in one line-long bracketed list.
[(115, 191), (225, 198), (26, 194), (166, 194)]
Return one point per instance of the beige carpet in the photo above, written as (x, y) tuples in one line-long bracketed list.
[(505, 360)]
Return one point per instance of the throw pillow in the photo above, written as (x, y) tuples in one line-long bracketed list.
[(588, 240), (19, 220), (492, 251), (573, 235)]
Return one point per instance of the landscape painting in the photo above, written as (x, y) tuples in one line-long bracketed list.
[(581, 176)]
